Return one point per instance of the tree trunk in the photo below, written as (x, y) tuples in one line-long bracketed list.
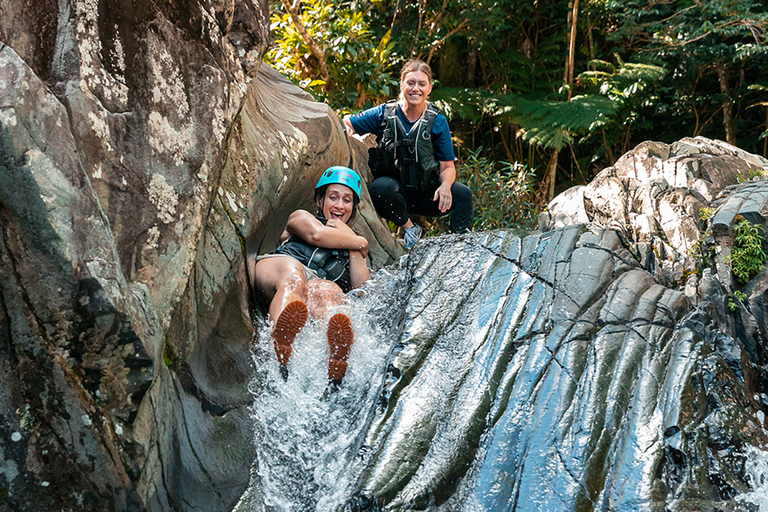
[(472, 62), (549, 180), (573, 18), (551, 172), (729, 123), (293, 10), (765, 140)]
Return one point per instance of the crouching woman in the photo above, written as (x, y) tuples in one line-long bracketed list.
[(318, 260)]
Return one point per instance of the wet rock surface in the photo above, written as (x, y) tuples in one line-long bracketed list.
[(566, 371), (144, 153)]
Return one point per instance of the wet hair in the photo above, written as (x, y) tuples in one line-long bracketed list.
[(320, 196), (416, 65)]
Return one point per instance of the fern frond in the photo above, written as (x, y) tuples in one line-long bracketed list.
[(553, 123), (602, 65)]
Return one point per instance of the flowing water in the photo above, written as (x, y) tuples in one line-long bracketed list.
[(756, 468), (311, 449)]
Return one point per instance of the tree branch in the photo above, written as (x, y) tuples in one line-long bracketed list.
[(319, 54), (438, 43)]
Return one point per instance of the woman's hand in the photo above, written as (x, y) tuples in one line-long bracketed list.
[(358, 269), (444, 197), (336, 223), (443, 193), (341, 226)]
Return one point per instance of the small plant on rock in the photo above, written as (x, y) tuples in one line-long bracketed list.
[(737, 295), (747, 256), (751, 175), (706, 213)]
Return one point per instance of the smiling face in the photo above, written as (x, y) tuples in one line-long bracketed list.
[(415, 87), (338, 203)]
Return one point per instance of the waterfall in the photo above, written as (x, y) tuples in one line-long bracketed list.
[(756, 468)]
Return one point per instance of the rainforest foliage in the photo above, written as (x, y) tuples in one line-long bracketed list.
[(553, 91)]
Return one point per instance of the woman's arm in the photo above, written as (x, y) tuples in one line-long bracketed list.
[(358, 269), (349, 127), (358, 266), (303, 224), (443, 192)]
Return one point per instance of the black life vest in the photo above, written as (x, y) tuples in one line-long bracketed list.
[(330, 264), (411, 154)]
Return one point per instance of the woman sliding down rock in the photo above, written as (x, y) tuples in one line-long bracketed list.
[(319, 259)]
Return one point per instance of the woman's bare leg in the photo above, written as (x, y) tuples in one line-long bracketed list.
[(323, 296), (282, 281), (279, 281)]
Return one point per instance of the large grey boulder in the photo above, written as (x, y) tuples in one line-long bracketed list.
[(145, 153), (654, 196), (554, 373)]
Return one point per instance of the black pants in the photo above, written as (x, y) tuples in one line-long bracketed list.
[(393, 202)]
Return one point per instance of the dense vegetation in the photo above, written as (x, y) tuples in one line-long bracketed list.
[(541, 101)]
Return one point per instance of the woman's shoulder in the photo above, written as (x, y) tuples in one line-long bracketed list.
[(300, 218), (300, 213), (440, 124), (376, 111), (368, 121)]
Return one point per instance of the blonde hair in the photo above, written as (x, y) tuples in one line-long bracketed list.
[(416, 65)]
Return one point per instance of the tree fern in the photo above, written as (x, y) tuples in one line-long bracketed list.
[(553, 124)]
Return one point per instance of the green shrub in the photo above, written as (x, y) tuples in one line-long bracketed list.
[(502, 192), (359, 61), (747, 256)]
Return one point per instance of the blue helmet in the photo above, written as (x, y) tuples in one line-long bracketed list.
[(343, 176)]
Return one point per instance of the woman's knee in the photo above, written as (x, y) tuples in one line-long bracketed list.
[(272, 274), (322, 295), (325, 288), (388, 200), (461, 193), (383, 187)]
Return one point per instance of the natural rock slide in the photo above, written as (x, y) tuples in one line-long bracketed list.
[(604, 362), (582, 368)]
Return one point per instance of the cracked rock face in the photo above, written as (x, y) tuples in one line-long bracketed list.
[(556, 372), (144, 152)]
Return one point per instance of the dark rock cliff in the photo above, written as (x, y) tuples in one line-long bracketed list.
[(144, 150)]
